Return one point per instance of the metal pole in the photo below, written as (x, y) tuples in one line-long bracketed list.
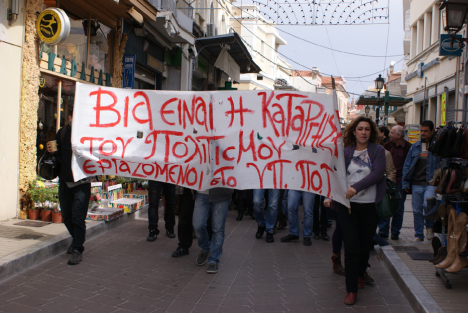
[(387, 100), (457, 86), (424, 102), (377, 110), (59, 105)]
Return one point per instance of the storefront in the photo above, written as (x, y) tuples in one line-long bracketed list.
[(90, 53), (150, 69)]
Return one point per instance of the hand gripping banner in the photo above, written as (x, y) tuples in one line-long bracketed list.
[(208, 139)]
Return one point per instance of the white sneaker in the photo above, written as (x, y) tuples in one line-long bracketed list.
[(429, 233), (417, 239)]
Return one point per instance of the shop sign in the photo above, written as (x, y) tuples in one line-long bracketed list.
[(211, 139), (128, 80), (443, 109), (445, 45), (421, 68), (53, 26), (155, 64)]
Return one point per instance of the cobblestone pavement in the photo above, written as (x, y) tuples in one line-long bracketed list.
[(122, 272), (450, 300)]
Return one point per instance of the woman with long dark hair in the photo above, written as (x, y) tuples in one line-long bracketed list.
[(365, 167)]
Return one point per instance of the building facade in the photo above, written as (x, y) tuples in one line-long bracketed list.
[(428, 75), (11, 50), (263, 41)]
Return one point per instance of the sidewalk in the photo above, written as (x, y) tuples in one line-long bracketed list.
[(22, 247), (450, 300), (122, 272)]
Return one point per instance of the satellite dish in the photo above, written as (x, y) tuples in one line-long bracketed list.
[(393, 63)]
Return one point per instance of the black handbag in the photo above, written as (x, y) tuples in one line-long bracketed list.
[(48, 167), (390, 202)]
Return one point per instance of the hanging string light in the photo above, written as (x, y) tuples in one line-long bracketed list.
[(324, 12)]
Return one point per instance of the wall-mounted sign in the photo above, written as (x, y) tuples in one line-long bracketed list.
[(128, 80), (446, 47), (443, 109), (419, 71), (53, 26), (421, 68), (155, 63)]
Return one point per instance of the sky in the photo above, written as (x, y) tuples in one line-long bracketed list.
[(369, 39)]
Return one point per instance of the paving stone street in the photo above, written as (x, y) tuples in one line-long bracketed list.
[(122, 272)]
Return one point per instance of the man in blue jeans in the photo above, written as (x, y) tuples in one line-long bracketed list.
[(308, 199), (269, 222), (398, 148), (418, 170), (215, 202)]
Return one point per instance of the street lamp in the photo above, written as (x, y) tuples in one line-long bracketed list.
[(379, 82), (367, 110), (455, 13)]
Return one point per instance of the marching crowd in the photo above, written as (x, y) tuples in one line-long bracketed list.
[(372, 155)]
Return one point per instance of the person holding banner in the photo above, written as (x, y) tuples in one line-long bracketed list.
[(155, 188), (265, 223), (215, 202), (73, 196), (365, 166)]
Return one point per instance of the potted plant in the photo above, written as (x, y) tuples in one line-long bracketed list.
[(34, 196), (46, 213), (56, 213)]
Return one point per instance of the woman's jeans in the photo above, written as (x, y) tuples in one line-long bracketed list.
[(358, 229), (202, 211)]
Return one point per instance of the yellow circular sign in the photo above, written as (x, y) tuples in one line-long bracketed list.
[(49, 26)]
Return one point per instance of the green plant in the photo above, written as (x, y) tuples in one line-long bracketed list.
[(54, 199), (34, 195)]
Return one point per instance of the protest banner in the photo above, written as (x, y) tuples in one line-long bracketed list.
[(207, 139)]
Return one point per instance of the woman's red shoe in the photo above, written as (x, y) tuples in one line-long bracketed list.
[(350, 298)]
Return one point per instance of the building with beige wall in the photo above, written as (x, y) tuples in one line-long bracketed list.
[(263, 42), (423, 26), (11, 47)]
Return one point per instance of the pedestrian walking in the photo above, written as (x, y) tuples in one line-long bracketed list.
[(155, 189), (294, 198), (265, 223), (73, 196), (215, 202), (418, 170), (365, 167), (320, 222), (184, 227), (398, 148)]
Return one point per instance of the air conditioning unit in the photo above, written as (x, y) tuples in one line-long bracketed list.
[(210, 30)]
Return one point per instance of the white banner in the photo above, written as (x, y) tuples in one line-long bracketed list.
[(201, 140)]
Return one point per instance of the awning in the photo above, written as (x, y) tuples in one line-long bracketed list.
[(211, 47), (369, 99), (227, 64)]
